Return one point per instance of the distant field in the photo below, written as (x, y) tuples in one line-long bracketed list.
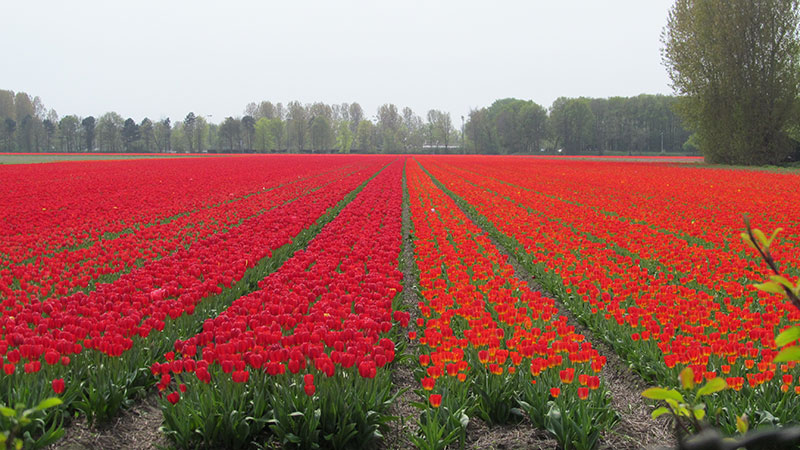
[(32, 158)]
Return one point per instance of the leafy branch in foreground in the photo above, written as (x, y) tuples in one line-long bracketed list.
[(688, 416)]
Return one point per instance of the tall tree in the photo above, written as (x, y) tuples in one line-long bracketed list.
[(277, 131), (130, 135), (263, 141), (88, 125), (188, 130), (320, 133), (108, 129), (364, 136), (296, 124), (201, 130), (344, 137), (230, 132), (147, 134), (162, 132), (735, 63), (7, 109), (9, 127), (389, 122), (356, 116), (27, 133), (248, 131), (23, 106), (68, 129), (532, 123)]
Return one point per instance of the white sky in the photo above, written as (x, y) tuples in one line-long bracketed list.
[(166, 58)]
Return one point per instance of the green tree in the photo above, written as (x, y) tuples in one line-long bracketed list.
[(130, 135), (248, 131), (188, 130), (162, 132), (364, 136), (320, 133), (572, 122), (735, 62), (356, 114), (263, 141), (177, 138), (108, 129), (277, 130), (344, 137), (296, 126), (532, 126), (88, 125), (201, 132), (27, 133), (50, 134), (147, 134), (7, 110), (68, 128), (9, 126), (230, 133), (23, 106)]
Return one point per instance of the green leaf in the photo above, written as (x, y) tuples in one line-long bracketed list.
[(657, 393), (781, 280), (771, 287), (787, 336), (741, 424), (788, 354), (49, 403), (7, 412), (762, 239), (772, 238), (715, 385), (699, 411), (658, 412), (687, 378)]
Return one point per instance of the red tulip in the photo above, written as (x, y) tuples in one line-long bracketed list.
[(58, 385)]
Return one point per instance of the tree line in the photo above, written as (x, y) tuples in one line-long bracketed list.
[(646, 123), (570, 125)]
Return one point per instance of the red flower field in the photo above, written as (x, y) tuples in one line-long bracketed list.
[(265, 298)]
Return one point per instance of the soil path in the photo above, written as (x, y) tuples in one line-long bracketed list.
[(135, 428)]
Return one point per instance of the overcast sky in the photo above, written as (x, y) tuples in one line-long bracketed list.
[(166, 58)]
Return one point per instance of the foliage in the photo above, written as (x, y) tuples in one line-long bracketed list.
[(735, 65), (23, 427)]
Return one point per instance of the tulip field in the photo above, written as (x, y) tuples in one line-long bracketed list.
[(265, 299)]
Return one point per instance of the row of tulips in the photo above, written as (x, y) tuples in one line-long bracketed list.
[(64, 205), (489, 346), (649, 311), (304, 359), (651, 233), (708, 204), (101, 344), (105, 260)]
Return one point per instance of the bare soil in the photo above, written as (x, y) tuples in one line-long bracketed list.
[(136, 428), (403, 373)]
